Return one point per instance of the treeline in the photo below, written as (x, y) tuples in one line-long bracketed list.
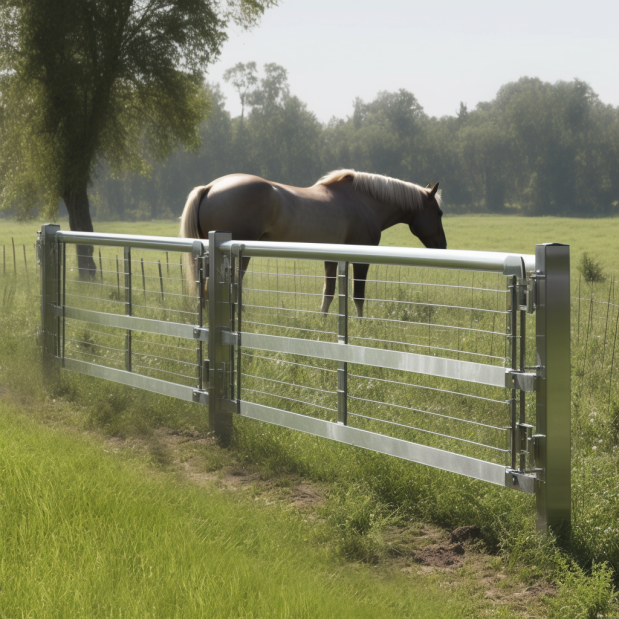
[(536, 149)]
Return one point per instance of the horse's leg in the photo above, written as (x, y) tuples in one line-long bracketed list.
[(329, 288), (360, 273)]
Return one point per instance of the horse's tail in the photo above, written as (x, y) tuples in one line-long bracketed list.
[(189, 230)]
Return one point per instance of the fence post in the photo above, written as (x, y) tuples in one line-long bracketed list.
[(553, 447), (220, 415), (48, 256)]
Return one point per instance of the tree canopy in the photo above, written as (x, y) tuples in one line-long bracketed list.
[(537, 148), (87, 81)]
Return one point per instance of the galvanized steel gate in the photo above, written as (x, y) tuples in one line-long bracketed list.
[(538, 454)]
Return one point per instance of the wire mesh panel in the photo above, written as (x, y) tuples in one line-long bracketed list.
[(453, 314), (149, 286)]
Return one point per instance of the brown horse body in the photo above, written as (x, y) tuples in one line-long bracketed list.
[(344, 207)]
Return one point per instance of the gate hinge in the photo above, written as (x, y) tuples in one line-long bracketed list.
[(200, 334), (525, 381)]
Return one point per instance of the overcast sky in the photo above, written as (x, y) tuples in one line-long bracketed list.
[(443, 51)]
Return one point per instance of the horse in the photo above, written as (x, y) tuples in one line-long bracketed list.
[(344, 207)]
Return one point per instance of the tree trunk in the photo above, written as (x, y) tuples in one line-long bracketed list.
[(76, 201)]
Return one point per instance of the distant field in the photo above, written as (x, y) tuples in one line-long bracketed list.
[(598, 237)]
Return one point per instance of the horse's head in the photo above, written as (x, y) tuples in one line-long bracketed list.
[(426, 223)]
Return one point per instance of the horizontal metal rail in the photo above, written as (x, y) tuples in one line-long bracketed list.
[(469, 371), (493, 262), (414, 452), (162, 243), (134, 323), (488, 261), (163, 387)]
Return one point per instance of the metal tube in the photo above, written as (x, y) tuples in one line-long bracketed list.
[(513, 322), (496, 262), (342, 338), (162, 243), (220, 419), (438, 258), (523, 362), (128, 308)]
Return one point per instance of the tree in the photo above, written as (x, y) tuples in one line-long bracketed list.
[(88, 80), (243, 78)]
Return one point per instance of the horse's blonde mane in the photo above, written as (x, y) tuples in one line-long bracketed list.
[(407, 196)]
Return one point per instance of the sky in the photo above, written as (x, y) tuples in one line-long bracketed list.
[(443, 51)]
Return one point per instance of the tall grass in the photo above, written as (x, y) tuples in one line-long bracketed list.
[(85, 535)]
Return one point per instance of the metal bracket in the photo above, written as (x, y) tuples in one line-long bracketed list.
[(526, 295), (514, 265), (200, 334), (520, 481), (525, 431), (536, 442), (524, 381), (39, 247), (201, 397), (230, 338), (225, 269), (204, 265)]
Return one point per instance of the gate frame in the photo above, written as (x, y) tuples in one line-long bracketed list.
[(547, 292)]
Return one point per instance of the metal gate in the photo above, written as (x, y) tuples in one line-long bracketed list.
[(472, 378)]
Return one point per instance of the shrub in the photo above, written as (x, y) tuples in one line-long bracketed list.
[(591, 269)]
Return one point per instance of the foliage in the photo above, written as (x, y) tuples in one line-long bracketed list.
[(537, 148), (89, 81), (583, 596), (591, 269)]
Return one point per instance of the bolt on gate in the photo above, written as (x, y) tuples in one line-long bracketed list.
[(461, 361)]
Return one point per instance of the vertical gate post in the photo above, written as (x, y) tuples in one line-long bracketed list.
[(48, 255), (128, 308), (553, 449), (342, 338), (220, 415)]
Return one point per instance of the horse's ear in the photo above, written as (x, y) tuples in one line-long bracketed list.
[(433, 191)]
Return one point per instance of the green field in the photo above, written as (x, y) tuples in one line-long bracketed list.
[(371, 492)]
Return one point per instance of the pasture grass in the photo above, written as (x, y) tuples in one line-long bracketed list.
[(371, 491), (85, 534)]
